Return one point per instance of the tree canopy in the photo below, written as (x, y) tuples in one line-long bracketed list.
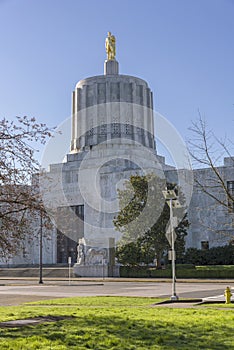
[(142, 219)]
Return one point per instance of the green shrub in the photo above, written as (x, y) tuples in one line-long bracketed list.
[(182, 271), (214, 256)]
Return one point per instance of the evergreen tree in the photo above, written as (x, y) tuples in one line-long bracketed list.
[(142, 220)]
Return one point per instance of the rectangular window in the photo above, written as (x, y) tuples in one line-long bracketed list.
[(230, 188), (103, 129), (79, 210), (68, 235), (204, 245), (115, 128)]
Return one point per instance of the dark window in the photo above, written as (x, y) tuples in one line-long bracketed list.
[(79, 210), (204, 245), (127, 129), (66, 246), (115, 128), (103, 130), (230, 188), (91, 131)]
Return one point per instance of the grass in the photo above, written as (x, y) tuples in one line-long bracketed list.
[(118, 323), (216, 267), (220, 306)]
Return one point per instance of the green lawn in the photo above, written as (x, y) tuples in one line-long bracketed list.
[(117, 323), (216, 267), (219, 306)]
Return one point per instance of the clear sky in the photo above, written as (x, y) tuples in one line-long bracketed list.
[(184, 49)]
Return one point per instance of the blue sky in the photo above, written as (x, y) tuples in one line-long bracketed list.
[(184, 49)]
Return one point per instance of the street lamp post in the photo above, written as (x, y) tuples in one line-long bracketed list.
[(172, 201), (40, 252), (173, 296)]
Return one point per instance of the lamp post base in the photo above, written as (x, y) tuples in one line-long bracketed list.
[(174, 297)]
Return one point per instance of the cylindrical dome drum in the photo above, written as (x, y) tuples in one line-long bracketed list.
[(112, 107)]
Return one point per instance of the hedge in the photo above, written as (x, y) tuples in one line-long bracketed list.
[(188, 271)]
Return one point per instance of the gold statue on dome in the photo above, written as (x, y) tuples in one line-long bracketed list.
[(110, 46)]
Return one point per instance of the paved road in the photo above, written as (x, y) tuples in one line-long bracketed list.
[(14, 293)]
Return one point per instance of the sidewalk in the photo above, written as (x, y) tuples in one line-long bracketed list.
[(14, 291), (8, 279)]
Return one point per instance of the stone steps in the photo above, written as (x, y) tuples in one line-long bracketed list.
[(34, 272)]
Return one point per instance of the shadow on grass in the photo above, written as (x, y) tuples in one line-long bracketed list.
[(123, 333)]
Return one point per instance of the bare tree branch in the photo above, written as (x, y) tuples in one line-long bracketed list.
[(206, 151), (19, 201)]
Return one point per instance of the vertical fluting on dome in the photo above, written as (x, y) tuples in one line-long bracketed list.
[(111, 107)]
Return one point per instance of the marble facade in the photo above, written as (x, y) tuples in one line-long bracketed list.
[(112, 139)]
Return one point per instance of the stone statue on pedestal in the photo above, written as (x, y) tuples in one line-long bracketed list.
[(81, 252), (94, 261), (96, 256), (87, 255)]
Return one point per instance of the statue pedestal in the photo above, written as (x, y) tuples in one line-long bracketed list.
[(95, 261), (111, 67), (95, 270)]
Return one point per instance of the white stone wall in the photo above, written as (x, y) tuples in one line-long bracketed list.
[(29, 253)]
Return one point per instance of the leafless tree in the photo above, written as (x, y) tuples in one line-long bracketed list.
[(19, 200), (207, 151)]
